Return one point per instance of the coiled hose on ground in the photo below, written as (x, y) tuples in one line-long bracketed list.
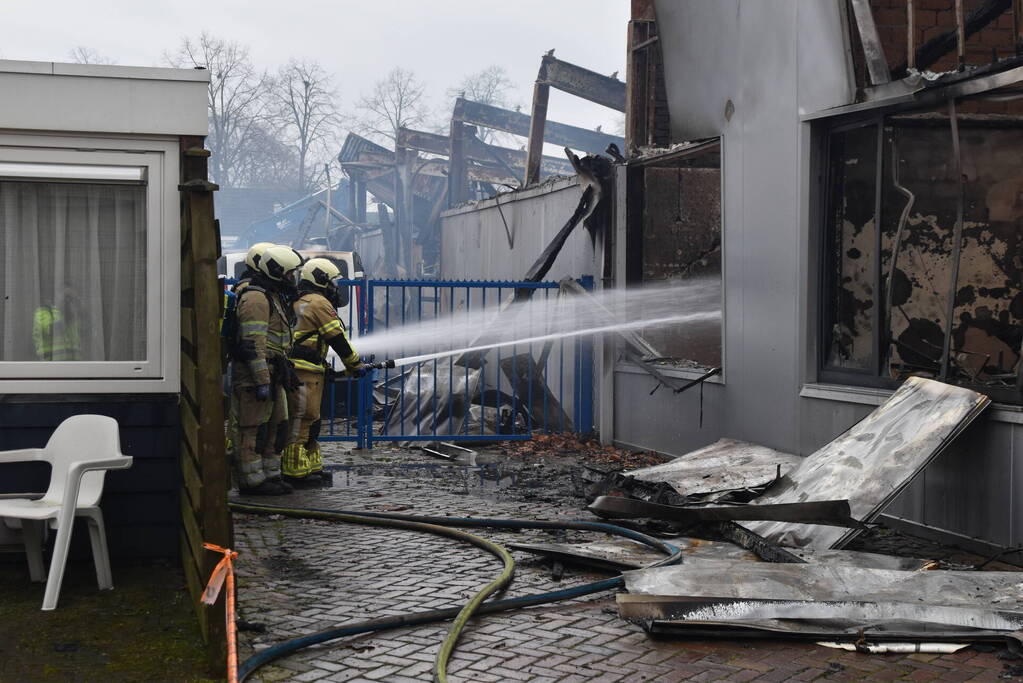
[(440, 525)]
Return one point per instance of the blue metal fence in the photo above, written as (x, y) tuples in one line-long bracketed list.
[(505, 393)]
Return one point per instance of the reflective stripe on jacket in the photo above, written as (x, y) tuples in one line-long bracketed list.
[(263, 327), (53, 337), (317, 325)]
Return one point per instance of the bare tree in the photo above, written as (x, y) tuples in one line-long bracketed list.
[(304, 107), (87, 55), (237, 97), (491, 86), (266, 161), (397, 101)]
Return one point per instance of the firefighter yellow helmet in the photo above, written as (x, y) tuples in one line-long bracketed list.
[(277, 262), (255, 253), (319, 272)]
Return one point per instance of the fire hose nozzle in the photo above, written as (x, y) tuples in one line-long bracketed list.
[(389, 363)]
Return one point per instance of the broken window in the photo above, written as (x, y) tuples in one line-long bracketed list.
[(675, 200), (935, 291)]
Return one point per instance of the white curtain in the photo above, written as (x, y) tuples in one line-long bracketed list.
[(78, 249)]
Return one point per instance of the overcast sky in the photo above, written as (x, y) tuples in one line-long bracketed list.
[(359, 41)]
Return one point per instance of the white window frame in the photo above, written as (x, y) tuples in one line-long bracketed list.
[(159, 372)]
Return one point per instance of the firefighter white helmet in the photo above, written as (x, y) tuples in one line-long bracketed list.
[(277, 262), (255, 253), (319, 272)]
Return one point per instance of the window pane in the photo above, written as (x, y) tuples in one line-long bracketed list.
[(682, 250), (923, 259), (73, 268), (988, 318), (852, 242)]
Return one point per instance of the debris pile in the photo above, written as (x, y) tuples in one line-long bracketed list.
[(598, 457), (762, 536)]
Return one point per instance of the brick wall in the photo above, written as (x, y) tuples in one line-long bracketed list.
[(932, 18)]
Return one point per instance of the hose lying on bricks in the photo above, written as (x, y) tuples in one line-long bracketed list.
[(461, 614)]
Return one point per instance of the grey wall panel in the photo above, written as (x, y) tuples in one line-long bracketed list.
[(825, 62), (665, 422), (102, 105), (712, 54), (967, 489), (702, 45), (1016, 502), (761, 229), (474, 243), (475, 246), (821, 421), (773, 61)]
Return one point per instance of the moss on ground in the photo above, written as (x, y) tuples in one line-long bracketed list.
[(143, 630)]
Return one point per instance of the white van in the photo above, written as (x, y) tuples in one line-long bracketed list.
[(232, 266)]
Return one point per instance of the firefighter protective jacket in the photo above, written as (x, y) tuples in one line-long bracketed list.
[(263, 331), (317, 328)]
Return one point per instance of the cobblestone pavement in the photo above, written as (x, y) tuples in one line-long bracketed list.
[(300, 576)]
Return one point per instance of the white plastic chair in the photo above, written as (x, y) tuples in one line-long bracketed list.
[(81, 449)]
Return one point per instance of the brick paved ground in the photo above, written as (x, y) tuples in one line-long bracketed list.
[(299, 576)]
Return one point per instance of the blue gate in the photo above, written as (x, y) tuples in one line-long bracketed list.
[(504, 393)]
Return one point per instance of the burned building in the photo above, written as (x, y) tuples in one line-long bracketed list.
[(858, 212)]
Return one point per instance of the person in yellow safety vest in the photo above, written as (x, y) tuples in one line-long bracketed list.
[(317, 327), (55, 334), (261, 373)]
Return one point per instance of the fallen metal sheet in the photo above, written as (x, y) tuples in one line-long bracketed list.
[(899, 632), (873, 461), (863, 560), (450, 451), (665, 616), (622, 553), (432, 402), (850, 611), (831, 512), (738, 580), (719, 469), (751, 541), (901, 648)]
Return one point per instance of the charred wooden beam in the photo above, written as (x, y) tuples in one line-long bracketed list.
[(575, 80), (646, 116), (537, 124), (360, 199), (939, 46), (488, 116), (458, 179), (873, 51), (439, 168), (479, 151), (1017, 29)]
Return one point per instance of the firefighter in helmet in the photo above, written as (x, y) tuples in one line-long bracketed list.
[(317, 328), (252, 257), (261, 373), (229, 304)]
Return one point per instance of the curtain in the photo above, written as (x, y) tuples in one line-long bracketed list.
[(73, 271)]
